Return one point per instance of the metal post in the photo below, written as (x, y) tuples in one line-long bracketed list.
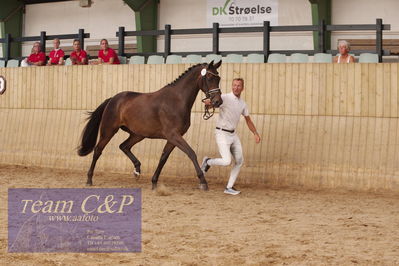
[(322, 35), (82, 38), (167, 40), (266, 39), (378, 39), (215, 38), (121, 41), (7, 49), (43, 41)]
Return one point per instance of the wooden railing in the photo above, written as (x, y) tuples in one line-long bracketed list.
[(42, 38), (216, 31)]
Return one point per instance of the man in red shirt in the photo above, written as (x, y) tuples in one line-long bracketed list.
[(107, 55), (37, 57), (56, 55), (78, 56)]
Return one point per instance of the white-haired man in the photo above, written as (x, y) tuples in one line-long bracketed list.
[(344, 56), (226, 137), (36, 58)]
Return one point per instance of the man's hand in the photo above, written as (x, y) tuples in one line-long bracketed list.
[(252, 127)]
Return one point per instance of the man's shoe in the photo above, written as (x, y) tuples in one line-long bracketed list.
[(205, 166), (231, 191)]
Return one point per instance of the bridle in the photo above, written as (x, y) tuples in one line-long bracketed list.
[(208, 94)]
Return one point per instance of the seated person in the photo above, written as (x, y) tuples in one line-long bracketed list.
[(78, 56), (37, 57), (56, 56), (344, 56), (107, 55)]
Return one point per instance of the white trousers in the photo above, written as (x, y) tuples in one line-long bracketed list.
[(229, 145)]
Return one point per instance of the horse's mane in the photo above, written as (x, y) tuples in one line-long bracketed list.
[(185, 72)]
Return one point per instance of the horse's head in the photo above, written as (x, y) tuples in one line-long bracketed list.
[(210, 83)]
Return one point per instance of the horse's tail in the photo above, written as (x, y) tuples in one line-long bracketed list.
[(89, 135)]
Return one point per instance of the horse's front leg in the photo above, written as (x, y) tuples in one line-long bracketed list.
[(178, 141)]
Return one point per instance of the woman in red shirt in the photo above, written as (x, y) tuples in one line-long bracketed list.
[(78, 56), (107, 55)]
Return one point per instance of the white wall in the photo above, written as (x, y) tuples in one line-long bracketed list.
[(192, 14), (365, 12), (101, 20)]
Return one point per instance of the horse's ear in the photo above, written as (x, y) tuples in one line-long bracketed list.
[(218, 64), (210, 64)]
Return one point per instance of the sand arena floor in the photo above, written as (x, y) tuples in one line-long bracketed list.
[(262, 226)]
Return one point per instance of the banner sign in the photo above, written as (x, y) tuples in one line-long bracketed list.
[(74, 220), (242, 13)]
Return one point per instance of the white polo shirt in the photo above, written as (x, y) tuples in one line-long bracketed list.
[(230, 111)]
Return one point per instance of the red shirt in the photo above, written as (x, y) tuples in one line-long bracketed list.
[(55, 56), (79, 56), (34, 58), (111, 54)]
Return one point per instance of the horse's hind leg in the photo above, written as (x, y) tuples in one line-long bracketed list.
[(105, 137), (126, 146), (164, 157)]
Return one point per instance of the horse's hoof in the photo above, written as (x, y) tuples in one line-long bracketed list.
[(136, 174), (203, 187), (89, 184), (154, 186)]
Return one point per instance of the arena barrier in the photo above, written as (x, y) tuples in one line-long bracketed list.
[(322, 125)]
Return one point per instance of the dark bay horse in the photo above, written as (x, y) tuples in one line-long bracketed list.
[(163, 114)]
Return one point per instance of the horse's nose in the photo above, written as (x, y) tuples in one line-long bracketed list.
[(217, 103)]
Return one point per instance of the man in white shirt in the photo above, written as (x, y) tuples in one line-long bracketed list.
[(226, 138)]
